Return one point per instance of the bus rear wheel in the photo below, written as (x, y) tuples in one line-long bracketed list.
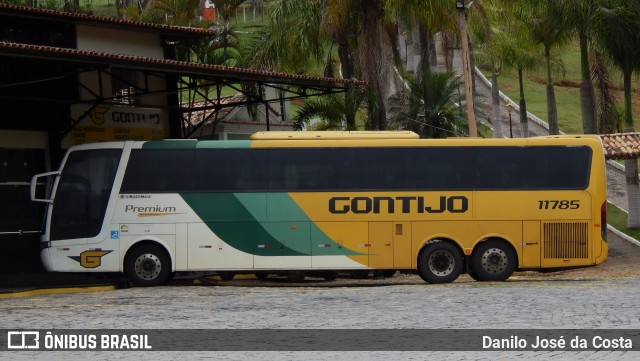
[(148, 265), (493, 260), (440, 262), (295, 276), (226, 276)]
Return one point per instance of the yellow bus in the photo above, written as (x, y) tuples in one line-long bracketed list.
[(328, 201)]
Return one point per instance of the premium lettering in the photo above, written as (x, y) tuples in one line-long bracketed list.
[(149, 209)]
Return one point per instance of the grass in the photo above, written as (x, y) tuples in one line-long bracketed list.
[(567, 91), (567, 98), (617, 218)]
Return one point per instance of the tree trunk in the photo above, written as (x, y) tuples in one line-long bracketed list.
[(375, 57), (495, 101), (524, 121), (425, 45), (631, 165), (346, 61), (633, 193), (587, 102), (552, 110)]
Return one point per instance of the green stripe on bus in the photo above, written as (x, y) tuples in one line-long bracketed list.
[(170, 144), (243, 221), (227, 144), (193, 143)]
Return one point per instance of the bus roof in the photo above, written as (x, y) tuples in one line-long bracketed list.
[(335, 135)]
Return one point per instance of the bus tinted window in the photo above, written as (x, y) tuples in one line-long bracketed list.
[(163, 171), (452, 168), (231, 170), (374, 168), (557, 167), (83, 193), (303, 169), (323, 169)]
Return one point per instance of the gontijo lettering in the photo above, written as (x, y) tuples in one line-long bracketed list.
[(403, 204)]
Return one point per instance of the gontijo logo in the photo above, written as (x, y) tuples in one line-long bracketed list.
[(401, 204), (91, 258)]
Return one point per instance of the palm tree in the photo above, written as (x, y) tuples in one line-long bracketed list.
[(538, 17), (609, 116), (226, 9), (292, 38), (431, 107), (360, 29), (619, 35), (172, 12), (426, 18), (521, 54), (581, 16), (335, 111), (490, 49)]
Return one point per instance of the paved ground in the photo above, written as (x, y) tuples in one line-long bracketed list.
[(594, 298)]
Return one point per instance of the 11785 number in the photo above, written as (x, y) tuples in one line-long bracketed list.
[(559, 204)]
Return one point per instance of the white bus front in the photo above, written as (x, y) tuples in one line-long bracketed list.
[(76, 211)]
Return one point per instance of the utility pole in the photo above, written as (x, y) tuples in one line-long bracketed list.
[(466, 67)]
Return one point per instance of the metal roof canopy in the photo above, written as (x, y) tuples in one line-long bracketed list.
[(189, 76), (179, 76)]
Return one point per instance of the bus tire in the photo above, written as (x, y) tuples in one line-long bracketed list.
[(473, 274), (389, 273), (360, 274), (330, 275), (493, 260), (148, 265), (226, 276), (440, 262), (295, 276)]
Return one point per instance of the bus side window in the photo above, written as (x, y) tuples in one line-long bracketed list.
[(161, 171), (303, 169)]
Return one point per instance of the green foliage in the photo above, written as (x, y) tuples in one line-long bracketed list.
[(331, 112), (433, 106), (291, 41), (617, 218)]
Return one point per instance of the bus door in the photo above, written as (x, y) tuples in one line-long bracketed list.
[(349, 240), (381, 245), (286, 247), (389, 245), (531, 244)]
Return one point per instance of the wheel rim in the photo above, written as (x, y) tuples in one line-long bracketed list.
[(494, 260), (148, 266), (441, 263)]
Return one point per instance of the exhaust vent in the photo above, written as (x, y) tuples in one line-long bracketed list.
[(566, 240)]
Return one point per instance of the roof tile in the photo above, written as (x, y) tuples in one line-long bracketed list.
[(621, 145)]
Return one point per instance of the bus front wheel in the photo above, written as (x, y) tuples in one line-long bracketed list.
[(440, 262), (148, 265), (493, 261)]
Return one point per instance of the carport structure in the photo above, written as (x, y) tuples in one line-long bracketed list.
[(60, 73)]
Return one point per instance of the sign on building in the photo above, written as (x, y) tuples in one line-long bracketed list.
[(104, 123)]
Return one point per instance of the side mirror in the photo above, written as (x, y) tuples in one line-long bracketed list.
[(34, 184)]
